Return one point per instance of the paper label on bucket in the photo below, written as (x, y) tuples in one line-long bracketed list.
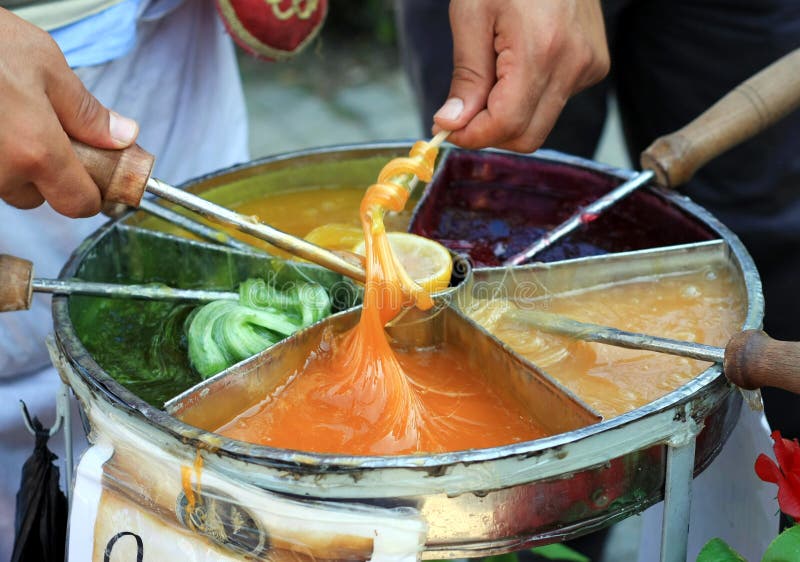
[(141, 505), (106, 526)]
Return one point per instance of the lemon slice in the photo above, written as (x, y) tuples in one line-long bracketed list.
[(336, 236), (426, 261)]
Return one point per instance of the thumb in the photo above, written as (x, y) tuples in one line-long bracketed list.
[(86, 119), (472, 26)]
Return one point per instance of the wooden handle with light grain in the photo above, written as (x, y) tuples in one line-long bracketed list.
[(16, 283), (750, 108), (121, 175), (753, 359)]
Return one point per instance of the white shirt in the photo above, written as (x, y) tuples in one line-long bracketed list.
[(182, 84)]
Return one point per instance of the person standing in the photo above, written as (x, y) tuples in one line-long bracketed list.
[(168, 69), (670, 60)]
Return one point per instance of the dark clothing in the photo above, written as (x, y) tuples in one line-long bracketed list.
[(671, 60)]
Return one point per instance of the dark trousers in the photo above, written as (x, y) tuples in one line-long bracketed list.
[(672, 59)]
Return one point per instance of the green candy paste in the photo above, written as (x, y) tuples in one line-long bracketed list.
[(222, 333)]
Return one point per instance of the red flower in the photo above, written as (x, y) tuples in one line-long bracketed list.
[(786, 473)]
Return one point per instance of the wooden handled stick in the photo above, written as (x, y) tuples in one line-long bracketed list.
[(750, 360), (17, 285), (753, 359), (124, 175), (673, 159), (16, 276), (750, 108), (121, 175)]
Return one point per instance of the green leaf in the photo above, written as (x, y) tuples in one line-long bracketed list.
[(717, 550), (559, 552), (785, 547)]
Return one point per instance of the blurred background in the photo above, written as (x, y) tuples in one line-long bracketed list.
[(347, 86)]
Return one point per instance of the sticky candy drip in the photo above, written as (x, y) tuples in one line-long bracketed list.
[(356, 395), (389, 287), (370, 383)]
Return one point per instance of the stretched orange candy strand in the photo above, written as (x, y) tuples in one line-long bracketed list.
[(354, 395), (358, 392), (366, 378), (379, 390), (389, 287)]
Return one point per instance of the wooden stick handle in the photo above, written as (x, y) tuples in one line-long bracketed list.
[(750, 108), (16, 287), (121, 175), (753, 359)]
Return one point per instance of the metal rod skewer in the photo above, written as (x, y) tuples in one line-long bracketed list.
[(557, 324), (249, 225), (197, 228), (149, 292), (410, 180), (123, 176), (584, 216), (292, 244)]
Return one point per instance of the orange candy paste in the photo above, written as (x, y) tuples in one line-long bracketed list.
[(356, 396)]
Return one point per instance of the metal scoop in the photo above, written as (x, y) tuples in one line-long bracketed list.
[(751, 359)]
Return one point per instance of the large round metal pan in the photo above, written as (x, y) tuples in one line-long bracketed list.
[(477, 501)]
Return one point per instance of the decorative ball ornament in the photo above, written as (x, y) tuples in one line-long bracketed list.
[(273, 29)]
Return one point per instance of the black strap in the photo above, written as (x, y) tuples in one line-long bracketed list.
[(115, 538)]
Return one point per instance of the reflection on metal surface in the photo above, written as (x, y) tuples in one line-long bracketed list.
[(195, 227)]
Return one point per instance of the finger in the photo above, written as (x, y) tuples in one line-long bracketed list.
[(509, 108), (62, 180), (565, 81), (544, 119), (83, 117), (473, 64), (24, 197)]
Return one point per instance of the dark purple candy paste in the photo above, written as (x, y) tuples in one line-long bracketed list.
[(491, 206)]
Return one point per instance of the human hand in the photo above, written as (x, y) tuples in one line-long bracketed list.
[(516, 63), (42, 104)]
